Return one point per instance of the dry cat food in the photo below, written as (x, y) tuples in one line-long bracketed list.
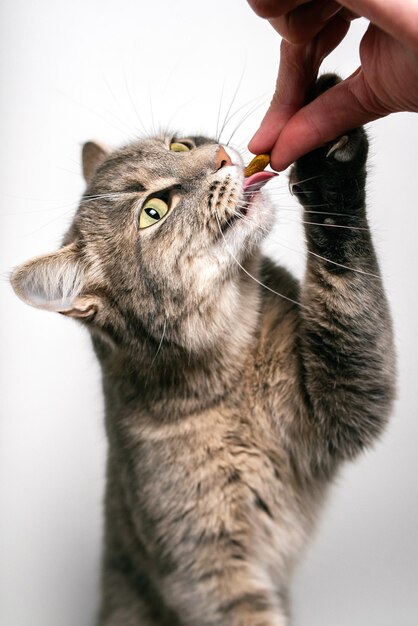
[(257, 164)]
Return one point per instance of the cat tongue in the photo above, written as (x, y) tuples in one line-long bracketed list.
[(257, 180)]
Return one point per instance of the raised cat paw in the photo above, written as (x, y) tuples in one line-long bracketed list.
[(330, 171), (351, 146), (339, 150)]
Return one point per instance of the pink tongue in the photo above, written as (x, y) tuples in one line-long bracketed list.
[(258, 180)]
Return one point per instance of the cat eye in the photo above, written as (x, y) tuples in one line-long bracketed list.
[(153, 210), (179, 147)]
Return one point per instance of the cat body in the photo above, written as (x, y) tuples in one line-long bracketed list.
[(229, 408)]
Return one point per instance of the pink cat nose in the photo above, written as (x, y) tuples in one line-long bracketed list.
[(222, 158)]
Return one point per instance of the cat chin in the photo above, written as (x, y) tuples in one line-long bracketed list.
[(254, 206), (260, 212), (247, 233)]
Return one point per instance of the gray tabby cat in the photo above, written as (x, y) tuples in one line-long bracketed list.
[(229, 409)]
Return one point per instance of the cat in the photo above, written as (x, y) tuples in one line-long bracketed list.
[(229, 407)]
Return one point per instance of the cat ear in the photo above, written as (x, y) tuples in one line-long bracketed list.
[(55, 282), (93, 155)]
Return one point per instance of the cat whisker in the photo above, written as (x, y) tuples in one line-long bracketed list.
[(327, 212), (300, 182), (217, 135), (135, 110), (177, 111), (252, 110), (107, 196), (291, 209), (296, 221), (72, 204), (160, 344), (346, 267), (274, 191), (151, 109), (121, 129), (73, 208), (334, 225), (232, 104), (244, 118), (248, 103), (259, 282), (54, 219), (280, 243), (68, 171)]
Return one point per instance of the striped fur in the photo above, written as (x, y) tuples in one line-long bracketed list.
[(228, 408)]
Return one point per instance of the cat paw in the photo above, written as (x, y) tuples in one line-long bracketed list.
[(353, 143), (331, 169), (340, 160), (350, 147), (338, 150)]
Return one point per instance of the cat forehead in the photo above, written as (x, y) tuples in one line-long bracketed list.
[(150, 157), (148, 146)]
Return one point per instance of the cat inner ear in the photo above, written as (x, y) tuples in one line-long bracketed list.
[(93, 155), (56, 282)]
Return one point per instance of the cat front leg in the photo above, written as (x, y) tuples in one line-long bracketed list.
[(202, 556), (345, 337), (230, 597), (129, 596), (122, 602)]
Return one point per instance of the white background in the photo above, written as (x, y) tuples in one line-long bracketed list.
[(72, 71)]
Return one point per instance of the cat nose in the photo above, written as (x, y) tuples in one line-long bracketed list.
[(222, 159)]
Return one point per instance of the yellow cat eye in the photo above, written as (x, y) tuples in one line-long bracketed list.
[(153, 210), (179, 147)]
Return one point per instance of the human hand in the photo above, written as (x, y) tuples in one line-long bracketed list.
[(386, 81)]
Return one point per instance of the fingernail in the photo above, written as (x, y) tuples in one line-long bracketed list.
[(329, 9)]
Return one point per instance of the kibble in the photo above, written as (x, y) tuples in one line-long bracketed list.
[(257, 164)]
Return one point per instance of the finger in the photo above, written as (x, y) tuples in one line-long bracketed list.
[(347, 105), (302, 24), (292, 80), (399, 19), (299, 65), (348, 15), (274, 8)]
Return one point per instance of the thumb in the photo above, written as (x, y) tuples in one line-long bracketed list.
[(347, 105), (293, 78), (298, 69)]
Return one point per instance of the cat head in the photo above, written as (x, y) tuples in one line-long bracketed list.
[(163, 231)]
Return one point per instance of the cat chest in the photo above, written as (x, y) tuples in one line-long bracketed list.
[(216, 489)]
